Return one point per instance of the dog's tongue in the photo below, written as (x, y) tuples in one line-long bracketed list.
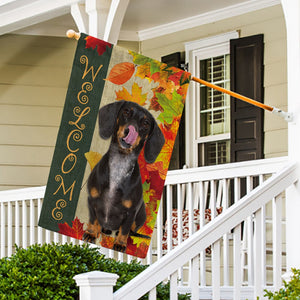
[(131, 136)]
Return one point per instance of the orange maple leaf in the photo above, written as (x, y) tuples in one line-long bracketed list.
[(135, 96)]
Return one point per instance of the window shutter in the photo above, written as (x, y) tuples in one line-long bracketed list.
[(178, 156), (246, 78)]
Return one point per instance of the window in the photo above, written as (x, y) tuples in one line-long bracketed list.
[(208, 110)]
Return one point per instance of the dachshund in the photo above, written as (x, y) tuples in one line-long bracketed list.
[(115, 193)]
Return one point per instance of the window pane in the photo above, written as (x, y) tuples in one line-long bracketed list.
[(214, 153), (214, 105)]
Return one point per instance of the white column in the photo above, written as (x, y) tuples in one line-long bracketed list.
[(292, 17), (96, 285), (98, 11)]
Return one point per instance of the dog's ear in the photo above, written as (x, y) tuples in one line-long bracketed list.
[(153, 144), (107, 118)]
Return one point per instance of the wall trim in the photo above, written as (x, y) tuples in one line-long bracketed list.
[(206, 18)]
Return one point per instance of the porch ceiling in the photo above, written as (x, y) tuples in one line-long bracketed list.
[(143, 19)]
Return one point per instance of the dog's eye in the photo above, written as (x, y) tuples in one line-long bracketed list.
[(126, 112), (146, 123)]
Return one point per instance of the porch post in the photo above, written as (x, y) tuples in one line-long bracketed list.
[(291, 10), (96, 285)]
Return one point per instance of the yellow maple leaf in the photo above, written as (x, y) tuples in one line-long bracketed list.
[(138, 241), (93, 158)]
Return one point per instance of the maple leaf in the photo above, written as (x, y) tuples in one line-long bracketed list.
[(143, 71), (76, 231), (93, 158), (107, 241), (172, 108), (185, 78), (121, 73), (135, 96), (176, 77), (94, 43), (159, 167), (142, 164)]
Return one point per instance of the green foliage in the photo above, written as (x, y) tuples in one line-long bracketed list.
[(47, 271), (290, 291)]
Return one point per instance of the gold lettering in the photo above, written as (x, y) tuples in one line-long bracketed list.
[(84, 99), (84, 60), (56, 212), (62, 185), (76, 112), (71, 157), (77, 136)]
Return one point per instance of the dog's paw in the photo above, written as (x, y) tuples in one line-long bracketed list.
[(89, 237), (120, 247)]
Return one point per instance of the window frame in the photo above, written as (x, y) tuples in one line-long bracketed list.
[(196, 51)]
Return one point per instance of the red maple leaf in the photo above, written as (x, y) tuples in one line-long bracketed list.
[(176, 77), (76, 231), (94, 43)]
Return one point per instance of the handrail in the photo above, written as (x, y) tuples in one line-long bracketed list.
[(22, 194), (230, 170), (199, 241)]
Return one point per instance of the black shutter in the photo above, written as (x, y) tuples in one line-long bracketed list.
[(178, 156), (246, 78)]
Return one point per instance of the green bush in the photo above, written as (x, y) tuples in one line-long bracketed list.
[(290, 291), (47, 271)]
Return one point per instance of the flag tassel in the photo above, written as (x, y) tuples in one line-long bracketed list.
[(285, 115)]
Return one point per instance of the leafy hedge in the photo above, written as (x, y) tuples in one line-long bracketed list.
[(47, 271), (290, 291)]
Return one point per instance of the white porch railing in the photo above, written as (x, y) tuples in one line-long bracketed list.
[(187, 191), (253, 206)]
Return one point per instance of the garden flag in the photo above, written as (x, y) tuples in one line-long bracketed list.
[(114, 145)]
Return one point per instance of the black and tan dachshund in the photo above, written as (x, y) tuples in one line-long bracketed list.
[(115, 190)]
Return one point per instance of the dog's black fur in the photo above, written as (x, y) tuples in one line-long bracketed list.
[(115, 190)]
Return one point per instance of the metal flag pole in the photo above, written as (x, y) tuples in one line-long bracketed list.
[(285, 115)]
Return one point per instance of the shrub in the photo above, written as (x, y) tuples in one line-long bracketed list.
[(47, 271), (290, 291)]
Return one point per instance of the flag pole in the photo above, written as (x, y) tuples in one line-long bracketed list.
[(286, 115)]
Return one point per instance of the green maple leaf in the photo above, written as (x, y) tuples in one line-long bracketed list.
[(172, 108), (140, 59)]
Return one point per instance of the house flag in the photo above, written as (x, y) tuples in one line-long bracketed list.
[(118, 128)]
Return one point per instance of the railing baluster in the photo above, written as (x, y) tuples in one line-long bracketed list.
[(258, 255), (277, 240), (173, 286), (194, 282), (212, 200), (237, 267), (24, 224), (32, 223), (190, 208), (40, 230), (179, 228), (17, 223), (215, 261), (169, 217), (159, 231), (9, 229), (152, 294), (225, 205), (250, 249), (202, 219), (2, 224)]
